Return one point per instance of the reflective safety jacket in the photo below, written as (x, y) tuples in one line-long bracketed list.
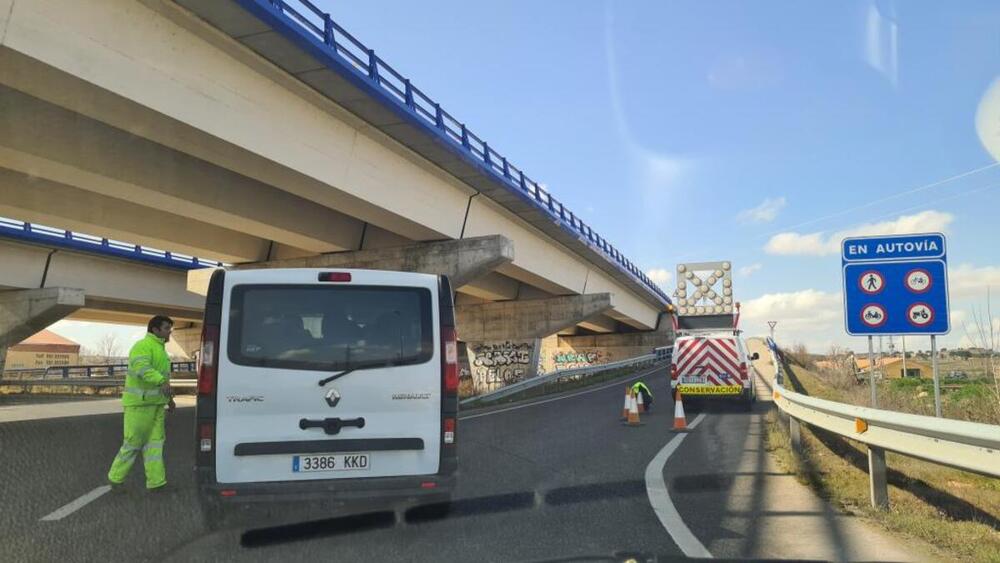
[(148, 369), (641, 387)]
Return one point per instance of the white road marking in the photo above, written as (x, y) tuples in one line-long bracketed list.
[(77, 504), (659, 498), (514, 408)]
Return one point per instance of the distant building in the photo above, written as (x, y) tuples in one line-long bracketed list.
[(43, 350), (892, 368)]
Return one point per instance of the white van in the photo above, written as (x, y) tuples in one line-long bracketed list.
[(713, 364), (319, 388)]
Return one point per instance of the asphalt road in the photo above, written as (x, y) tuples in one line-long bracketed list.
[(562, 478)]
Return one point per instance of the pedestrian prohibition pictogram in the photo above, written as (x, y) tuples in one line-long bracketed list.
[(871, 282)]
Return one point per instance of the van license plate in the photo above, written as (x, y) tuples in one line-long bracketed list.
[(331, 462)]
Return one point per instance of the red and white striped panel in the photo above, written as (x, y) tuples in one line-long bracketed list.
[(716, 359)]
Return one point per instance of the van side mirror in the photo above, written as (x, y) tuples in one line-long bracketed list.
[(754, 356)]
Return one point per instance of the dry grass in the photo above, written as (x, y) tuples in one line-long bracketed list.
[(973, 400), (956, 512)]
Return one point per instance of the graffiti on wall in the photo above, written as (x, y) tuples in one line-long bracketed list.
[(567, 359), (496, 364)]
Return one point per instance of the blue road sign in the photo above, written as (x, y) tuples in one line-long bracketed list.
[(896, 285)]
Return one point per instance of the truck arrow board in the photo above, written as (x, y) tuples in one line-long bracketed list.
[(895, 284)]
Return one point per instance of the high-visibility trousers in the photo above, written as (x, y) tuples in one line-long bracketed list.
[(145, 432)]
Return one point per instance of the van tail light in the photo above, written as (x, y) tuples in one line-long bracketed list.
[(208, 360), (449, 359), (206, 433), (743, 371), (449, 431), (335, 277)]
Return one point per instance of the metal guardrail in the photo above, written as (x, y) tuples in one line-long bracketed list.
[(318, 27), (971, 446), (581, 372), (51, 236), (85, 372)]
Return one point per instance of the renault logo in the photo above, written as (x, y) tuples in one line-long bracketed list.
[(332, 397)]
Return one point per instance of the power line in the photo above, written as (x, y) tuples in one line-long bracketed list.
[(884, 199), (878, 201)]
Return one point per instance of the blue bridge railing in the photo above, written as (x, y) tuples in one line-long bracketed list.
[(88, 371), (317, 27), (51, 236)]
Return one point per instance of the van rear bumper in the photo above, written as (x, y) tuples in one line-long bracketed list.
[(273, 504), (340, 489)]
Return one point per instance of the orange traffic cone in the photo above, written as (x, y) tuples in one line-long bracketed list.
[(642, 407), (633, 411), (628, 399), (680, 421)]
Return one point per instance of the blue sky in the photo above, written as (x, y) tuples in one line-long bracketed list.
[(752, 132)]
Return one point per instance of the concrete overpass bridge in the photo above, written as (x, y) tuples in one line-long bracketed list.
[(260, 133)]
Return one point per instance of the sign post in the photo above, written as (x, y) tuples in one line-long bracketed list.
[(896, 284), (903, 338), (871, 371), (937, 380)]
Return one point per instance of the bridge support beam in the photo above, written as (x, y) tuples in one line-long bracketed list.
[(563, 352), (27, 311), (461, 260), (531, 318), (504, 339)]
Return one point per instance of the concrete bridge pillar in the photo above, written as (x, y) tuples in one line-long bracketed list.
[(24, 312), (504, 339), (188, 339)]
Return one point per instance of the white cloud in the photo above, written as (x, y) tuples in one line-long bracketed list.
[(815, 244), (968, 281), (747, 271), (766, 212), (810, 316), (660, 276)]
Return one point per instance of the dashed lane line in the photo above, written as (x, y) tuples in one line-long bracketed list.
[(77, 504)]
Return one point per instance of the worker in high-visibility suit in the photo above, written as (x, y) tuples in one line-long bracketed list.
[(647, 395), (146, 396)]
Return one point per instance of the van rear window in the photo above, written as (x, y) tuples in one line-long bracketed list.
[(326, 328)]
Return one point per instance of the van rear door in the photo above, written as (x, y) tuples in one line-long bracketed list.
[(328, 375), (701, 362)]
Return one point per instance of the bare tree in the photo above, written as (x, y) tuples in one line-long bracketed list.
[(109, 349), (985, 334)]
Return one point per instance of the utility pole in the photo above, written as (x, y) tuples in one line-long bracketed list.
[(772, 324), (903, 338)]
